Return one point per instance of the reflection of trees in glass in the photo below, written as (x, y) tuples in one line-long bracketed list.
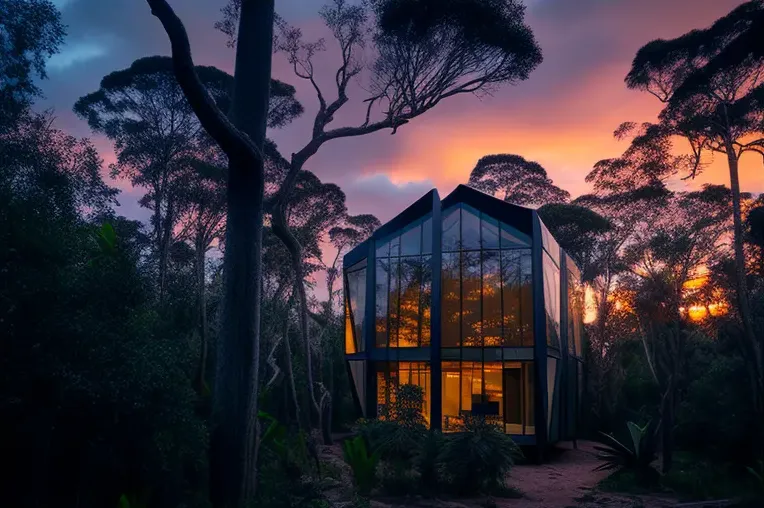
[(411, 275), (492, 298), (575, 314), (404, 288), (517, 298), (391, 375), (552, 301), (426, 300), (357, 291), (471, 323), (451, 295), (393, 304), (380, 326)]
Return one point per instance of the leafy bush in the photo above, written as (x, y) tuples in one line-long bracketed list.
[(477, 458), (635, 455), (426, 459), (362, 463)]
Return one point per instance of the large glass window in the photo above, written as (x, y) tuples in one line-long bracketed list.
[(404, 287), (502, 391), (575, 311), (358, 373), (550, 244), (450, 300), (486, 284), (355, 308), (552, 301), (390, 375), (492, 298)]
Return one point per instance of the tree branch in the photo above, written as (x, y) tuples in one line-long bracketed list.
[(230, 139)]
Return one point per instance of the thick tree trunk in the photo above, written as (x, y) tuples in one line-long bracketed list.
[(238, 358), (234, 465)]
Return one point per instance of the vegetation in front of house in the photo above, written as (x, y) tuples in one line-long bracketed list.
[(477, 459)]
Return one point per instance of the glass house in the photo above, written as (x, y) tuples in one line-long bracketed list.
[(472, 299)]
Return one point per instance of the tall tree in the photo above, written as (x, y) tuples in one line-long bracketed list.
[(715, 107), (425, 52), (30, 32), (155, 133), (661, 260), (516, 180), (235, 400), (202, 219)]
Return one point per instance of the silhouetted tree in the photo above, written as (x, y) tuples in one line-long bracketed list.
[(155, 132), (516, 180), (30, 32), (718, 108), (235, 408)]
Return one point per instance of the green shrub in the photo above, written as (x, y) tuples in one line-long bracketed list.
[(426, 459), (636, 454), (362, 463), (477, 458)]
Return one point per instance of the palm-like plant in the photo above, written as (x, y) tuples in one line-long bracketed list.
[(636, 455), (362, 463)]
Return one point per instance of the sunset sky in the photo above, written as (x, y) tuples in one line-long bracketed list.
[(563, 116)]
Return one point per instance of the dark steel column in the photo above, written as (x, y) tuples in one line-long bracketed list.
[(369, 330), (436, 398)]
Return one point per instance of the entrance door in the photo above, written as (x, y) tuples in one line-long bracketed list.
[(513, 400)]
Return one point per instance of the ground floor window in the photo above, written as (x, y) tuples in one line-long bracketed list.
[(392, 374), (502, 391)]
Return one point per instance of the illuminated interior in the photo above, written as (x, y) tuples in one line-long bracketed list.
[(497, 333)]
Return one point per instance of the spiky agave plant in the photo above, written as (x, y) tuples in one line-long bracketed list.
[(636, 455)]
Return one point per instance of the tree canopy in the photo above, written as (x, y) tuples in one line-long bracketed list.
[(516, 180)]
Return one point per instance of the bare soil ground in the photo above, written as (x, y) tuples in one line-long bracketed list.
[(566, 480)]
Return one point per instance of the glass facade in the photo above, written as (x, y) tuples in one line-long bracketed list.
[(403, 287), (486, 281), (501, 391), (496, 279), (390, 375), (575, 311), (355, 307)]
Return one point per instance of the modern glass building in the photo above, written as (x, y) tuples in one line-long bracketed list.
[(472, 299)]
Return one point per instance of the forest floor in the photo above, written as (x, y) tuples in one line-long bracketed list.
[(566, 480)]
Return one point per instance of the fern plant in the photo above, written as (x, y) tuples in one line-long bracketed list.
[(362, 463), (636, 455)]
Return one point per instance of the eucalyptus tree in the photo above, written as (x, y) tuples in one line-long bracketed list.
[(142, 109), (711, 82), (661, 260), (516, 180), (242, 139), (424, 53)]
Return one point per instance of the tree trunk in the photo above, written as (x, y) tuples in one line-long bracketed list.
[(202, 301), (755, 350), (164, 246), (234, 461)]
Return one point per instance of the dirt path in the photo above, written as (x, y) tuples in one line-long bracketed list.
[(566, 479)]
